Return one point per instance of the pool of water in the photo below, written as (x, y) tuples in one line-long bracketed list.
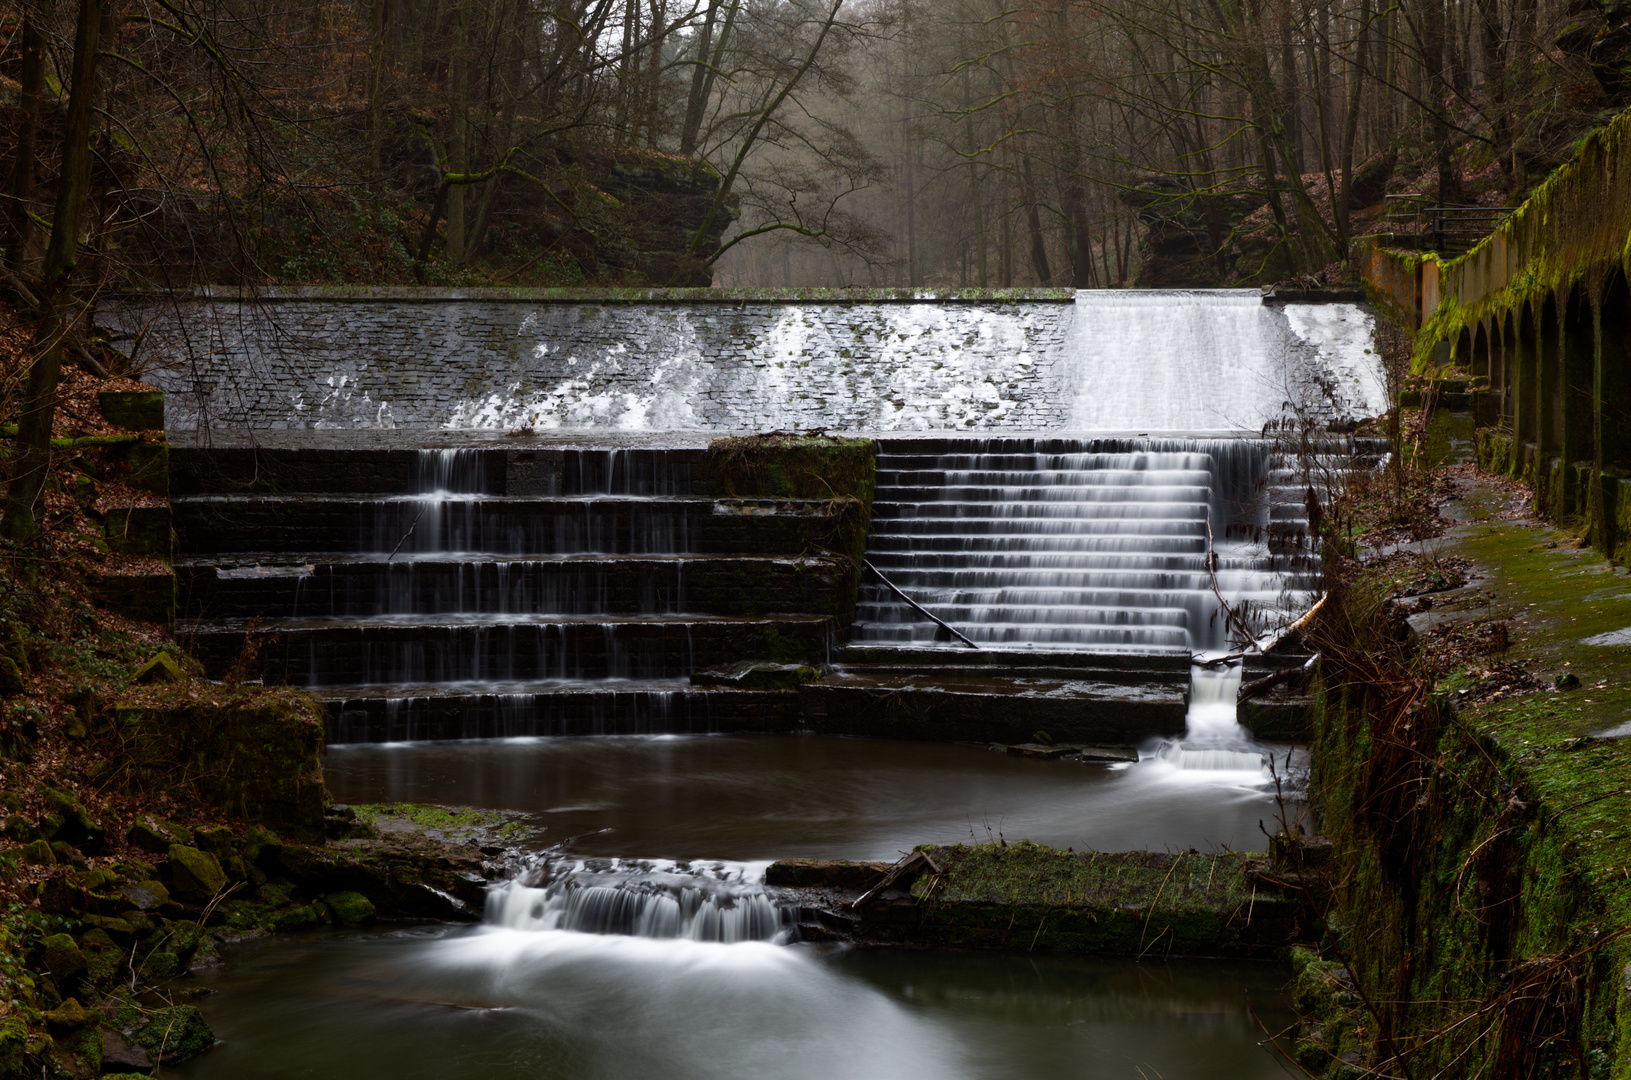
[(490, 1003), (770, 797)]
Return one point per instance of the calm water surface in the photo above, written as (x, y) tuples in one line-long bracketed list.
[(490, 1004), (769, 797)]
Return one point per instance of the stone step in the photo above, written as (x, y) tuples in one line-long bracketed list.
[(276, 585), (387, 470), (516, 710), (946, 705), (1019, 661), (994, 708), (316, 653), (500, 525)]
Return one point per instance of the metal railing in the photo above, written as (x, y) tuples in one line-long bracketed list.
[(1444, 229)]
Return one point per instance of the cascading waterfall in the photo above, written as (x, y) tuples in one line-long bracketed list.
[(1098, 546), (724, 903), (1214, 742)]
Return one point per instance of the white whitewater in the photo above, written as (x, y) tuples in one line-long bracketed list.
[(721, 903), (1216, 359), (1214, 742)]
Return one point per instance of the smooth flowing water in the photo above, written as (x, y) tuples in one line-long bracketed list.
[(496, 1003), (1213, 359), (770, 797), (1104, 545)]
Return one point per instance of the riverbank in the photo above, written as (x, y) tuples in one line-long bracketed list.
[(1470, 756)]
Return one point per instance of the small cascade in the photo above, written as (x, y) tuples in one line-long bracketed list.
[(724, 903), (1094, 546), (1214, 741)]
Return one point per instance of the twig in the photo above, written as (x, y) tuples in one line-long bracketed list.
[(423, 507)]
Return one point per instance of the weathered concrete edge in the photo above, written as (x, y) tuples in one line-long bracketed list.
[(366, 294), (1031, 898)]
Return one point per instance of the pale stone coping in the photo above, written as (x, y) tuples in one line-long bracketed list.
[(441, 295)]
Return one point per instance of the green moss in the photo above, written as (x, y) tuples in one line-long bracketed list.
[(429, 816), (1497, 877), (175, 1034), (738, 296), (350, 908), (1027, 897)]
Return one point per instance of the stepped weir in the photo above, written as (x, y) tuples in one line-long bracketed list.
[(1015, 523), (464, 582)]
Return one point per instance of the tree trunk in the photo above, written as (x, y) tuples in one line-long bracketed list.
[(20, 227), (1033, 221), (1350, 124), (21, 521), (378, 71), (699, 78), (458, 139)]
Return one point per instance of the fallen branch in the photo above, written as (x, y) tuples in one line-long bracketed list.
[(1268, 682), (895, 873), (89, 362), (917, 606)]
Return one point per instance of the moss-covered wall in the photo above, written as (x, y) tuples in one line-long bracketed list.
[(1539, 310), (840, 471), (1470, 918)]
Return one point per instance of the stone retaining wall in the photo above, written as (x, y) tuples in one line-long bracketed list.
[(491, 359), (725, 361)]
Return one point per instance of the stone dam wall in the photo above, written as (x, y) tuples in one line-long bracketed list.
[(708, 360)]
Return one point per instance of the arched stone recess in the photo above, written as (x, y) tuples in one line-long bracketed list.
[(1610, 496), (1542, 304)]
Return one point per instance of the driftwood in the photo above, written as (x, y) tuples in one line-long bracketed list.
[(1273, 679), (1269, 648), (912, 862), (919, 608)]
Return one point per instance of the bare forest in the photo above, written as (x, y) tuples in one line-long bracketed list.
[(1086, 143)]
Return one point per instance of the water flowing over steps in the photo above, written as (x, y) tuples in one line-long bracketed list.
[(1094, 546), (506, 590), (501, 591), (1080, 567)]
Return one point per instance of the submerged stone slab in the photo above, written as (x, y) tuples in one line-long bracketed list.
[(1028, 898)]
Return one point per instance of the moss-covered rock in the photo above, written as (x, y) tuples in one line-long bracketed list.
[(175, 1034), (197, 875), (13, 1045), (215, 840), (75, 824), (296, 917), (151, 834), (11, 677), (350, 908), (160, 668), (145, 895), (39, 853), (62, 958)]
